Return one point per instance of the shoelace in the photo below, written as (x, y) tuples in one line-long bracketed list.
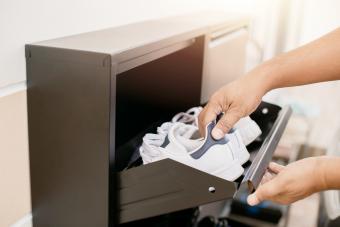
[(188, 117), (164, 128), (152, 142), (150, 146)]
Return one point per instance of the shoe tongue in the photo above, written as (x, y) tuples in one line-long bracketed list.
[(181, 137)]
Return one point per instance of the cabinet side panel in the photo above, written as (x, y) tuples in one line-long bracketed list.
[(68, 113)]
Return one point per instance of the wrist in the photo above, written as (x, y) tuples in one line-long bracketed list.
[(329, 172), (265, 76), (320, 175)]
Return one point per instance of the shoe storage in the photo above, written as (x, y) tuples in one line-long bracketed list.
[(91, 99)]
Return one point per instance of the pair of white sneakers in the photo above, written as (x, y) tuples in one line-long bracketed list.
[(180, 140)]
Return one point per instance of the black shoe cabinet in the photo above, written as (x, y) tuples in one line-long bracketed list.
[(92, 96)]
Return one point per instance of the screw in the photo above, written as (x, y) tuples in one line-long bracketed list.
[(212, 189), (265, 110)]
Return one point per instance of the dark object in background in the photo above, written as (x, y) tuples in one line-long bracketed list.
[(233, 223), (265, 211), (208, 221), (222, 223), (184, 218), (211, 221)]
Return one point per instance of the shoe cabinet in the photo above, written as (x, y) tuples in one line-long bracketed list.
[(92, 97)]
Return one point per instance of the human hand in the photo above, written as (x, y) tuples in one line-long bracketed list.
[(287, 184), (236, 100)]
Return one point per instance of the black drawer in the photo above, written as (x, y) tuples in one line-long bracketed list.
[(166, 186)]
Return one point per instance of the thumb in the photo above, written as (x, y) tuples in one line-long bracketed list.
[(253, 200), (207, 115), (225, 124), (262, 193)]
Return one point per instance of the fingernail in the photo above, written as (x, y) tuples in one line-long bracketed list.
[(252, 200), (217, 133)]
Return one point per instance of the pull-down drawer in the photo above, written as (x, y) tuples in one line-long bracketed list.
[(166, 186)]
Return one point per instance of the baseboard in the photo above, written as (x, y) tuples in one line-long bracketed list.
[(25, 221), (13, 88)]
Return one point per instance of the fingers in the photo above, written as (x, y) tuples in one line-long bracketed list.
[(275, 168), (252, 200), (264, 192), (267, 177), (225, 123), (270, 187), (272, 171), (208, 114)]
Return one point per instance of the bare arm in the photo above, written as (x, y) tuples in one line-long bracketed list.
[(315, 62)]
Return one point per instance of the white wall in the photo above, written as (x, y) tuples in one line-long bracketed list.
[(319, 17), (30, 21)]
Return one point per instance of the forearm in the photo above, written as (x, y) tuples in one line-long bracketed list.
[(329, 172), (315, 62)]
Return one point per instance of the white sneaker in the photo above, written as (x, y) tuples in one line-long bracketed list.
[(208, 155), (238, 147), (247, 128), (161, 139)]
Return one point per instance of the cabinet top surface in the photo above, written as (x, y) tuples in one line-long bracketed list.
[(123, 38)]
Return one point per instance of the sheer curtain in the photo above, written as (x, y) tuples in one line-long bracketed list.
[(282, 25)]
